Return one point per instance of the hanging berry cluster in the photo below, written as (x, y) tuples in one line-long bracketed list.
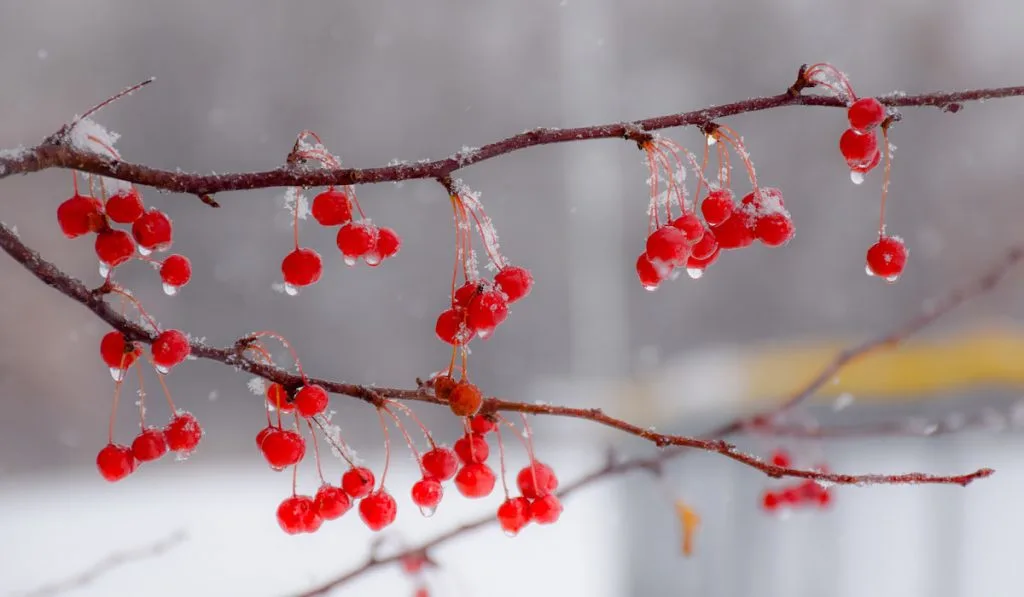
[(684, 241), (356, 239), (859, 145), (806, 493)]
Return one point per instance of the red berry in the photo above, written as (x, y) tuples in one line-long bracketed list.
[(701, 264), (150, 444), (80, 215), (774, 229), (331, 502), (691, 227), (707, 245), (427, 494), (125, 207), (651, 274), (475, 480), (825, 499), (358, 481), (388, 243), (546, 509), (472, 448), (735, 232), (482, 425), (413, 563), (537, 480), (667, 245), (302, 267), (278, 398), (176, 271), (298, 514), (378, 510), (887, 258), (263, 435), (465, 399), (114, 247), (115, 462), (865, 167), (514, 515), (311, 400), (866, 113), (770, 501), (116, 352), (183, 433), (449, 327), (810, 489), (332, 208), (765, 200), (791, 496), (153, 231), (466, 293), (170, 348), (355, 240), (782, 458), (486, 311), (440, 463), (282, 448), (515, 282), (717, 206), (858, 147)]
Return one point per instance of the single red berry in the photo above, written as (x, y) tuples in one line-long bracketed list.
[(465, 399), (717, 206), (355, 240), (887, 258), (774, 229), (667, 245), (810, 489), (734, 233), (482, 425), (298, 514), (331, 502), (443, 386), (865, 167), (707, 245), (770, 501), (278, 398), (858, 146), (358, 481), (311, 400), (176, 271), (825, 499), (782, 458), (263, 435), (388, 243), (691, 227), (537, 480), (118, 353), (282, 448), (80, 215), (149, 444), (115, 462), (514, 515), (332, 208), (427, 494), (302, 267), (413, 563), (449, 327), (183, 433), (170, 348), (466, 293), (651, 274), (114, 247), (866, 113), (699, 265), (153, 231), (472, 448), (125, 207), (378, 510), (791, 496), (486, 311), (516, 282), (546, 509), (440, 463), (475, 480)]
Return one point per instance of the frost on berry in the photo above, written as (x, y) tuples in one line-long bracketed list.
[(536, 480), (426, 494), (153, 231), (149, 444), (887, 258), (865, 114), (298, 514), (357, 482), (515, 282), (378, 510), (475, 480), (514, 515), (170, 348), (331, 502), (281, 447), (486, 312), (115, 462), (450, 327), (301, 267), (440, 463), (125, 207), (332, 208), (183, 433), (472, 448), (355, 240), (80, 215), (114, 247), (465, 399), (311, 400)]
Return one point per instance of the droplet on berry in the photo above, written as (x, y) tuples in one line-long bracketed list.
[(475, 480), (516, 282), (717, 206), (80, 215), (472, 448), (857, 147), (866, 113), (301, 267), (282, 447), (862, 168), (298, 514), (514, 515), (355, 240), (311, 400), (427, 494), (856, 177), (149, 444), (331, 502), (465, 399), (183, 434), (153, 231), (175, 271), (667, 245), (170, 348), (537, 480), (546, 509), (115, 462), (125, 207), (332, 208), (114, 247), (440, 463), (378, 510), (486, 311), (651, 274), (887, 258), (358, 482)]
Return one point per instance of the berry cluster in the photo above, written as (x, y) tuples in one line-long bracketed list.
[(687, 242), (356, 239), (859, 145), (800, 494)]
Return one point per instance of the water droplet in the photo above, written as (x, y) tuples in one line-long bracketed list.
[(277, 468), (144, 251), (428, 511), (117, 374), (290, 290), (650, 287), (694, 272), (856, 177), (712, 140), (104, 270), (372, 259), (510, 533), (483, 334), (893, 278), (349, 261), (182, 456), (170, 290), (162, 370), (867, 270)]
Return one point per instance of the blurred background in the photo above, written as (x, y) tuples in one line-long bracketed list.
[(386, 80)]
